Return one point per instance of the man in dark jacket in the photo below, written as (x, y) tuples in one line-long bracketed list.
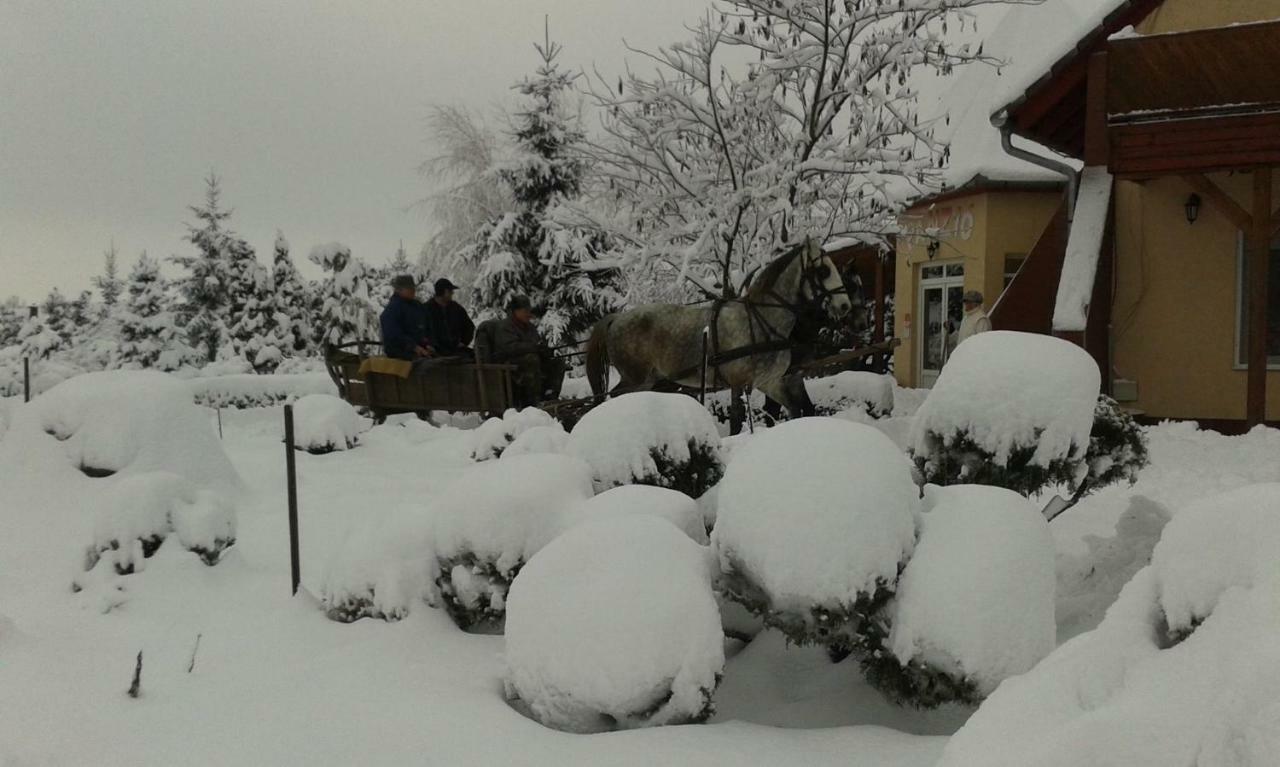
[(448, 324), (405, 333), (539, 375)]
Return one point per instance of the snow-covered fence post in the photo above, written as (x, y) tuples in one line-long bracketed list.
[(291, 478), (26, 379)]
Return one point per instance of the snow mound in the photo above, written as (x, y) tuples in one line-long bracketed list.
[(650, 438), (1131, 692), (870, 392), (380, 570), (492, 519), (627, 500), (323, 423), (614, 625), (494, 436), (976, 601), (1214, 546), (1009, 399), (816, 512), (539, 439), (139, 512), (120, 422)]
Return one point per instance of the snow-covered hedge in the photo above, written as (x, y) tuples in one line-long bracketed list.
[(975, 604), (816, 518), (650, 438), (1129, 692), (614, 626), (551, 438), (242, 391), (492, 519), (324, 423), (869, 392), (626, 500), (1013, 410), (495, 435), (380, 570)]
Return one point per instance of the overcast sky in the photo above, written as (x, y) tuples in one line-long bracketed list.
[(311, 112)]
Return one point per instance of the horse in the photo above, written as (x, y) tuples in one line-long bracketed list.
[(747, 339)]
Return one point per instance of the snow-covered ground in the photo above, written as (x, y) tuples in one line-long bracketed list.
[(236, 671)]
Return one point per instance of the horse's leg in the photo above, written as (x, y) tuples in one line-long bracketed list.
[(790, 392)]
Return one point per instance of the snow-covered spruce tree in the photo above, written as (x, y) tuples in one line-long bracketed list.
[(710, 165), (12, 314), (347, 312), (109, 284), (291, 327), (252, 310), (206, 290), (650, 438), (39, 341), (57, 313), (148, 336), (527, 250)]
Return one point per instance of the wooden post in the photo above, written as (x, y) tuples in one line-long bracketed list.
[(1258, 247), (877, 333), (291, 479), (26, 379), (1097, 141)]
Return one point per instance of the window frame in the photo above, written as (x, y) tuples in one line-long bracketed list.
[(1239, 363)]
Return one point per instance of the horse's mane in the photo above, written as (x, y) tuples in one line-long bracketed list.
[(769, 276)]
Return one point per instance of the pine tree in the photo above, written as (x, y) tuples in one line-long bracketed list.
[(148, 335), (56, 315), (291, 328), (108, 283), (206, 290), (12, 313), (346, 303), (38, 339), (525, 251)]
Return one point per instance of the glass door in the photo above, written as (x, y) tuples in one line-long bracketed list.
[(941, 311)]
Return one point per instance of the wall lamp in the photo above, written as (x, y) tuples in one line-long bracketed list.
[(1193, 208)]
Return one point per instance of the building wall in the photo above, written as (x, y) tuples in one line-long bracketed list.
[(1174, 322), (1184, 15), (978, 230)]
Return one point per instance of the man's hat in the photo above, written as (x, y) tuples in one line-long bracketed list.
[(519, 302), (401, 281), (973, 297), (444, 286)]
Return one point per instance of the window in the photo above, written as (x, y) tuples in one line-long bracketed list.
[(1012, 264), (1273, 308)]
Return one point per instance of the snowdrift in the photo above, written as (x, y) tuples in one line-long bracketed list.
[(495, 435), (324, 423), (627, 500)]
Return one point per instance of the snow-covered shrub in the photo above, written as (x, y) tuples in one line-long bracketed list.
[(650, 438), (614, 626), (975, 604), (1213, 546), (324, 423), (1013, 410), (139, 512), (626, 500), (124, 422), (539, 439), (1117, 446), (492, 519), (493, 436), (379, 570), (1122, 695), (816, 518), (244, 391), (869, 392)]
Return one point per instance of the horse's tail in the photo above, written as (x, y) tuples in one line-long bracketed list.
[(597, 361)]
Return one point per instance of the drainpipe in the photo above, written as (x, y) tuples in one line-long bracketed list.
[(1001, 122)]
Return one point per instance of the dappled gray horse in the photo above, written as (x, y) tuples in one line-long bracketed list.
[(749, 337)]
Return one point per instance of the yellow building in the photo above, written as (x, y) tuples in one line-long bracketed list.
[(1166, 259)]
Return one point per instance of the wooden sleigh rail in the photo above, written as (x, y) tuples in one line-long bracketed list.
[(836, 363)]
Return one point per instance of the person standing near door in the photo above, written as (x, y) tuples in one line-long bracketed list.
[(975, 318)]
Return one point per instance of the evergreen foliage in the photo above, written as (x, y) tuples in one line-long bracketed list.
[(148, 336), (346, 311), (108, 283)]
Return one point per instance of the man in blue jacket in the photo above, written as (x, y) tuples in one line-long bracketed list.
[(404, 323)]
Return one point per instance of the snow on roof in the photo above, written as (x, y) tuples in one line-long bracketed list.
[(1029, 39)]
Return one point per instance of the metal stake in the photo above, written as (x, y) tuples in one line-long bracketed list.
[(291, 476)]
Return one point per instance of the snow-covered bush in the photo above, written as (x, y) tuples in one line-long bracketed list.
[(123, 422), (626, 500), (243, 391), (1212, 547), (650, 438), (869, 392), (1123, 694), (492, 519), (379, 570), (975, 604), (614, 626), (816, 518), (1117, 447), (1013, 410), (324, 423), (539, 439), (495, 435)]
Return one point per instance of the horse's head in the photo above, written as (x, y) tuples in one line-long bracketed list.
[(822, 282)]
